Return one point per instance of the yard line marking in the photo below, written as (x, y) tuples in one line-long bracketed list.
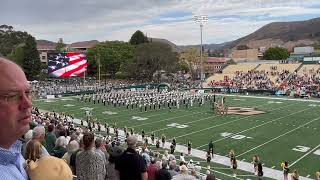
[(248, 175), (220, 168), (308, 175), (256, 126), (273, 167), (202, 119), (279, 137), (162, 120), (305, 154), (142, 116), (227, 122)]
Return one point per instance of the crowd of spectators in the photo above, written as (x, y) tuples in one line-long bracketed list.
[(96, 156), (307, 82), (250, 80), (283, 80)]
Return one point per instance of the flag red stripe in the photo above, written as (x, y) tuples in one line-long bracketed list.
[(67, 74), (77, 60)]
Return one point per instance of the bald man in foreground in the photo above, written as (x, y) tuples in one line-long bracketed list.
[(15, 115)]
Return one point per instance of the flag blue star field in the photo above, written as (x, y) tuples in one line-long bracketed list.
[(68, 64)]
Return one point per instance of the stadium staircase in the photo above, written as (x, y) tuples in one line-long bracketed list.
[(254, 69), (300, 67), (291, 74)]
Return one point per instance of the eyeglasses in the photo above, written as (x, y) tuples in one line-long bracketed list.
[(15, 97)]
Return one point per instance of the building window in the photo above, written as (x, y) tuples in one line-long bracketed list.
[(43, 57)]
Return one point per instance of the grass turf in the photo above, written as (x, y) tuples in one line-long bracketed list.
[(288, 131)]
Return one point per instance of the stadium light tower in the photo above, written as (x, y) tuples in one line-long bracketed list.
[(201, 20)]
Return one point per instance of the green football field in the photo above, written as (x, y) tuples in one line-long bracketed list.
[(287, 130)]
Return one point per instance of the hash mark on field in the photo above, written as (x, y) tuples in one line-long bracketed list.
[(308, 175), (273, 167), (243, 159)]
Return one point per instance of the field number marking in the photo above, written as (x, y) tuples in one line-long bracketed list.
[(301, 148), (86, 108), (177, 125), (68, 105), (231, 135), (274, 102), (138, 118), (109, 112), (313, 105), (305, 149)]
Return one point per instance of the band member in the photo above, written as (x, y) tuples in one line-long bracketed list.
[(210, 147), (142, 134), (158, 144), (174, 141), (172, 148), (163, 140), (209, 157), (189, 147), (152, 137)]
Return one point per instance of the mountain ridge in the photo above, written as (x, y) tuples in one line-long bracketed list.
[(285, 34)]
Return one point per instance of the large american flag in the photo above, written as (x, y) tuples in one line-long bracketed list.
[(66, 64)]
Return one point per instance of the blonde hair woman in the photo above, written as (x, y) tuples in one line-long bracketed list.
[(33, 150), (295, 175), (318, 175)]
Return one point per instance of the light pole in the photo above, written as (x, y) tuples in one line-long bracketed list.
[(201, 20)]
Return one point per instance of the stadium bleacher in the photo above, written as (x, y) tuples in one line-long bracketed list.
[(276, 73)]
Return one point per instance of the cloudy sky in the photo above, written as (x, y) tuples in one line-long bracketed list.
[(78, 20)]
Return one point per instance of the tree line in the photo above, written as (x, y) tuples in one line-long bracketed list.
[(20, 47), (140, 58)]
